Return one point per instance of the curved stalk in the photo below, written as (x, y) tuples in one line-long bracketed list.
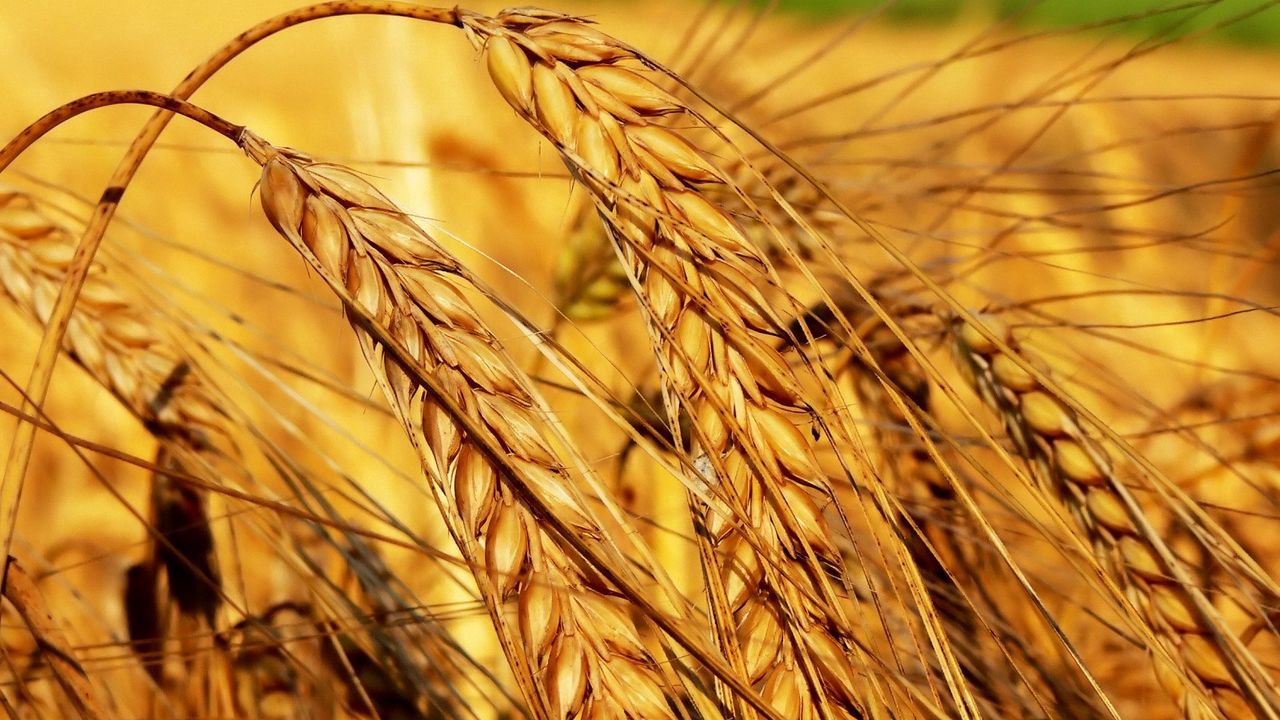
[(20, 447), (52, 119)]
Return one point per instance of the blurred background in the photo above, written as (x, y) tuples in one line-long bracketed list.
[(1261, 26)]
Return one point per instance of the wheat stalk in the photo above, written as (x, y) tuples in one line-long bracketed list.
[(1082, 473)]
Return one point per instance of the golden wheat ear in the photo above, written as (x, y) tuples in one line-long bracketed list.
[(715, 309), (573, 646), (1199, 660)]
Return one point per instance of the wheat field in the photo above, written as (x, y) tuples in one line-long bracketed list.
[(637, 360)]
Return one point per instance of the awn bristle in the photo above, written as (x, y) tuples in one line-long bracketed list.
[(698, 275), (1081, 471), (576, 652)]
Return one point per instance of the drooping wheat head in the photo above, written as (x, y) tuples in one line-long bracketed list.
[(1198, 664), (713, 306), (573, 647)]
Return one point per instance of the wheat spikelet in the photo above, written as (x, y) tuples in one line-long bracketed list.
[(591, 281), (575, 651), (268, 682), (1082, 473)]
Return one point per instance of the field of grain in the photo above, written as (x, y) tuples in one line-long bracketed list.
[(639, 360)]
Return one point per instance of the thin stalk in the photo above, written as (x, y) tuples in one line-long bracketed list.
[(78, 270)]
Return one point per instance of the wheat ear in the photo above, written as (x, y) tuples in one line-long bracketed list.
[(576, 652), (921, 487), (1068, 454), (112, 339), (698, 277)]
